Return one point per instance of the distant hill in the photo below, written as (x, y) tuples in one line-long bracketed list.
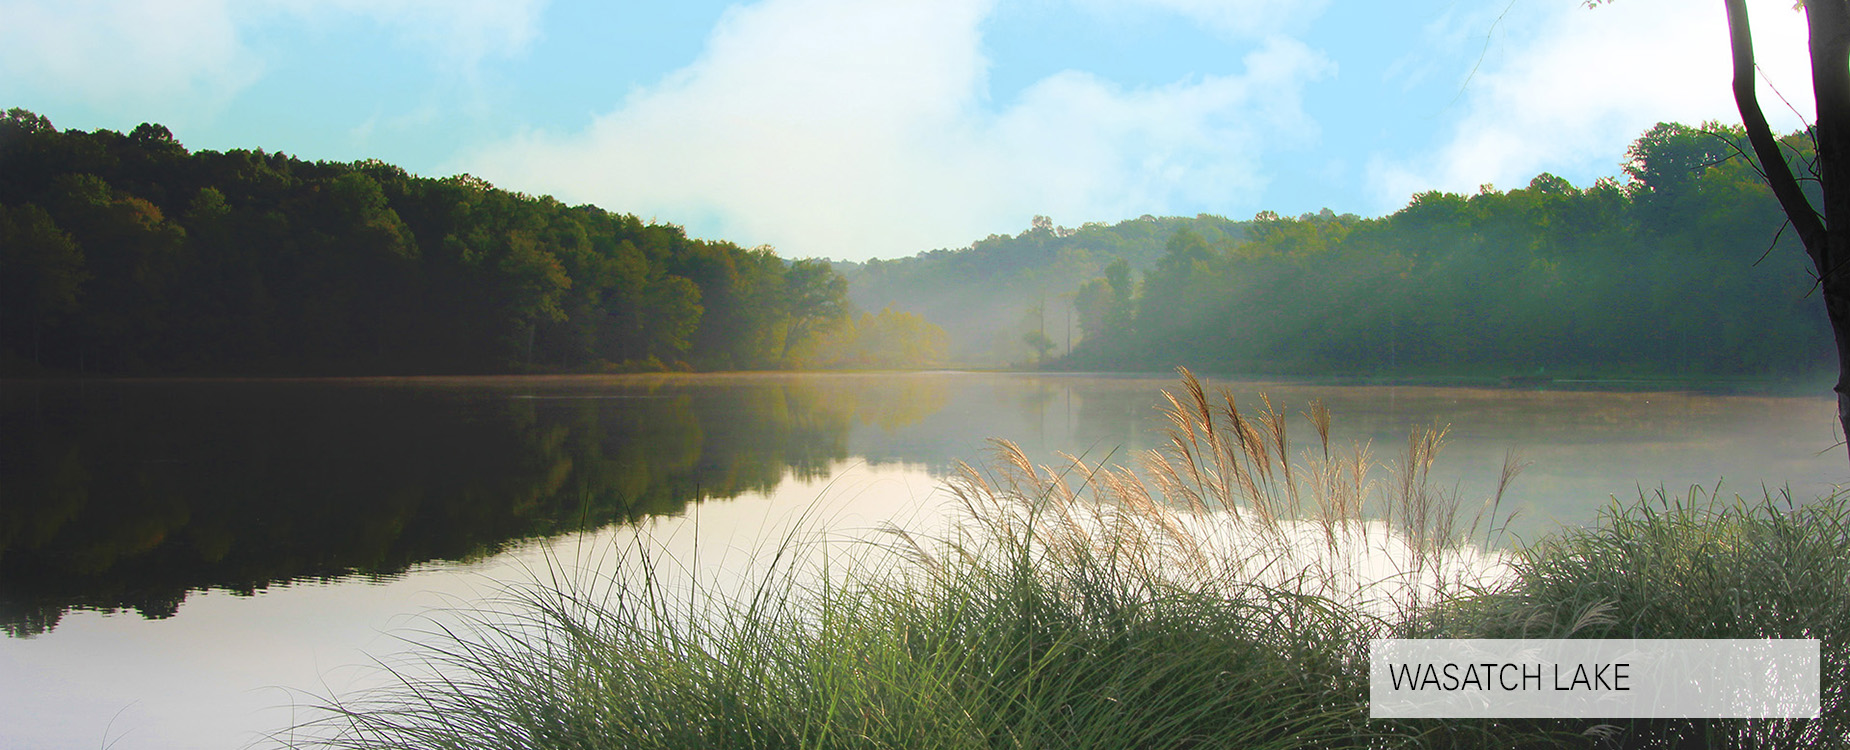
[(1680, 270), (1000, 289)]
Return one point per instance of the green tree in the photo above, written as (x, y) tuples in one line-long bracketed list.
[(136, 256), (815, 299), (670, 316), (536, 285), (1094, 302), (1664, 165), (41, 272)]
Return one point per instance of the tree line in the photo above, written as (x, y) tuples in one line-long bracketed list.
[(1683, 269), (128, 254)]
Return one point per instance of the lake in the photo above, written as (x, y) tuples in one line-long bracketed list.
[(183, 561)]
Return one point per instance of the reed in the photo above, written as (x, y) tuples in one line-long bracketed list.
[(1696, 565), (1220, 594)]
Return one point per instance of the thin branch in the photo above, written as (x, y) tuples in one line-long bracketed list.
[(1805, 218), (1774, 243), (1782, 97), (1488, 35)]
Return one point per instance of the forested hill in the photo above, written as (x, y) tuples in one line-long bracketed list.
[(126, 254), (1001, 295), (1672, 272)]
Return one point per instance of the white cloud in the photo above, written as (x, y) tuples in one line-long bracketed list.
[(168, 59), (457, 33), (1238, 18), (853, 129), (136, 53), (1455, 32), (1570, 98)]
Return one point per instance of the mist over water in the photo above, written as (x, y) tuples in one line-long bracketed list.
[(173, 550)]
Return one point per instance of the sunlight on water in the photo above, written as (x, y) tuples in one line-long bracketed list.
[(205, 556)]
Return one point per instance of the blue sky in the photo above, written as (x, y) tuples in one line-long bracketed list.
[(881, 128)]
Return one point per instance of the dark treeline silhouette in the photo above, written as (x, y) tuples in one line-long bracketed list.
[(126, 254), (130, 494), (1672, 273)]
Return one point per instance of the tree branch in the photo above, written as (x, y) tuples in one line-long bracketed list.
[(1805, 219)]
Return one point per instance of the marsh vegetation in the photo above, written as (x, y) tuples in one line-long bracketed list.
[(1220, 593)]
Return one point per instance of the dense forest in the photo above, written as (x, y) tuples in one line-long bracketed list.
[(1681, 270), (127, 254)]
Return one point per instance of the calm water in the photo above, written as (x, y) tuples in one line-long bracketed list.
[(181, 562)]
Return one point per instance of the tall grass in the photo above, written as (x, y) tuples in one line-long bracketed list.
[(1227, 503), (1220, 594), (1696, 566)]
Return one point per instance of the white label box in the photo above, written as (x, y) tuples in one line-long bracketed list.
[(1594, 678)]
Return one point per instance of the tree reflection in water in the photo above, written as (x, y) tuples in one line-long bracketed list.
[(130, 495)]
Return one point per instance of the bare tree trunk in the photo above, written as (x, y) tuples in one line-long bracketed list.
[(1826, 234), (1829, 22)]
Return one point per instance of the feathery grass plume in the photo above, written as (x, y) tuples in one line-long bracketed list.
[(1229, 606), (1075, 607), (1228, 479)]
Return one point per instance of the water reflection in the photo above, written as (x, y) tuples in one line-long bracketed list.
[(138, 496), (131, 495)]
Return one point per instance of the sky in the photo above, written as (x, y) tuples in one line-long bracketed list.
[(852, 129)]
